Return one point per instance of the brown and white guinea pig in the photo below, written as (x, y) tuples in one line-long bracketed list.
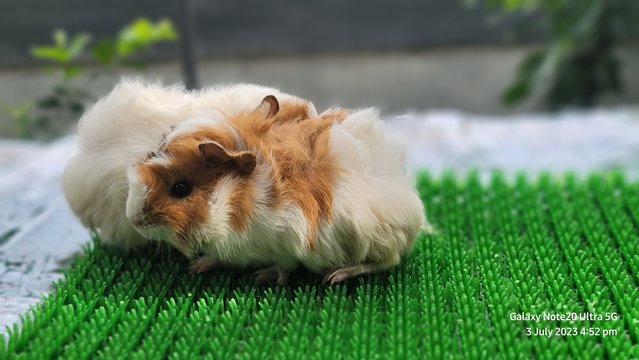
[(126, 125), (281, 186)]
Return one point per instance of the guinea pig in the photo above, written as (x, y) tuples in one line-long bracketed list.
[(279, 186), (123, 127)]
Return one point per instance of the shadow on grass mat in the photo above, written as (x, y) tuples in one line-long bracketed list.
[(546, 268)]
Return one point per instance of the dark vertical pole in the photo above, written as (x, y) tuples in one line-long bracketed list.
[(189, 71)]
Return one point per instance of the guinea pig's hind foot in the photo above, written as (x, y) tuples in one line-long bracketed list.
[(273, 274), (203, 264), (342, 274)]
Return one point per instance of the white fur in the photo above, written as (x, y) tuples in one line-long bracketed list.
[(121, 128), (135, 198)]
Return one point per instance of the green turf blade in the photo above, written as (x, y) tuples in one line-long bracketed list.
[(557, 245)]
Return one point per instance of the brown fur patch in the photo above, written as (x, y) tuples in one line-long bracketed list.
[(241, 205), (293, 112), (296, 148), (335, 114)]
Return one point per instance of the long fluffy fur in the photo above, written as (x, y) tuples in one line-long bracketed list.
[(376, 213)]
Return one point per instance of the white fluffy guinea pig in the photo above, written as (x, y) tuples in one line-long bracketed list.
[(122, 128), (271, 184)]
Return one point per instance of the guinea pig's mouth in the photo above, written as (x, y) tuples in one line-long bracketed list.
[(162, 233), (155, 232)]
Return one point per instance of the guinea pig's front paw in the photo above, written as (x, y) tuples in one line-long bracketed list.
[(203, 264), (274, 274)]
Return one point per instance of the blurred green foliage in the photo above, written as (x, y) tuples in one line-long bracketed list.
[(76, 61), (578, 62)]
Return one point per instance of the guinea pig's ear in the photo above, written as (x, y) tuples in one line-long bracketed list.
[(268, 107), (215, 154)]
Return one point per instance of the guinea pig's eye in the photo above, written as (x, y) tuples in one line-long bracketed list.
[(181, 189)]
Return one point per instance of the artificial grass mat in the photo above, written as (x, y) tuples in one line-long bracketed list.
[(554, 246)]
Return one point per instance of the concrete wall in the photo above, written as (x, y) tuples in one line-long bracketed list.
[(469, 79)]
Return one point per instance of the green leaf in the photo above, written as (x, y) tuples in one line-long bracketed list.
[(71, 71), (20, 110), (164, 30), (60, 38), (78, 44), (142, 33), (521, 87), (104, 51), (57, 54), (531, 63), (61, 52), (23, 119), (515, 93), (141, 29)]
